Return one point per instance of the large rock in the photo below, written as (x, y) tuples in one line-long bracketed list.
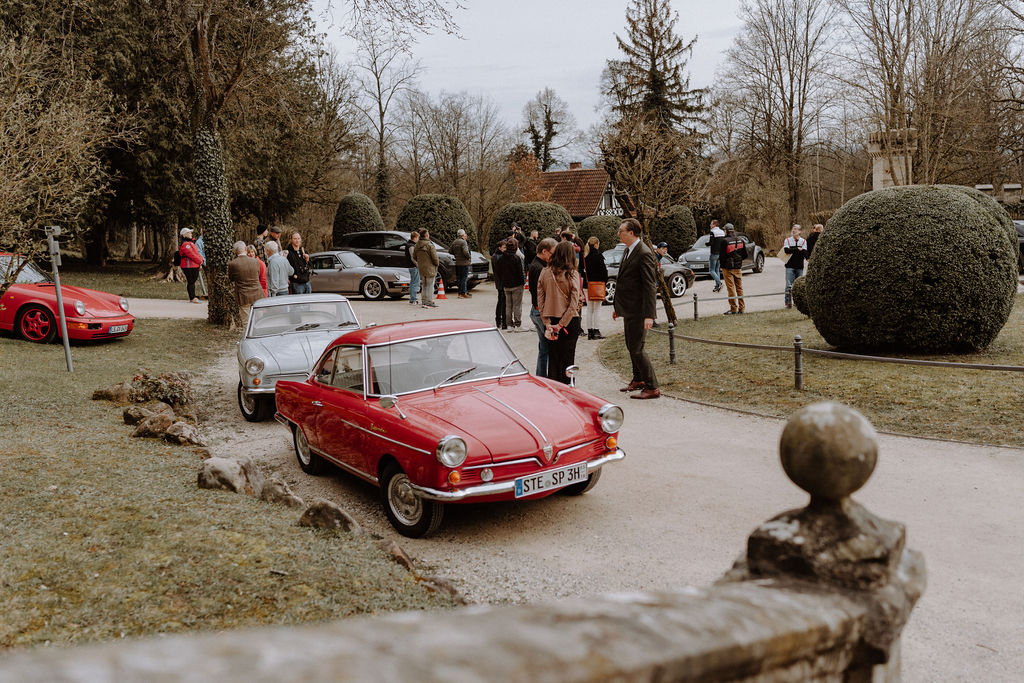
[(154, 426), (396, 553), (134, 414), (185, 434), (240, 475), (118, 393), (323, 514), (275, 490)]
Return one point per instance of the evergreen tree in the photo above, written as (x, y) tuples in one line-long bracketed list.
[(650, 80)]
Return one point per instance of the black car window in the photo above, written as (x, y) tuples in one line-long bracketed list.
[(322, 262), (394, 242), (364, 242)]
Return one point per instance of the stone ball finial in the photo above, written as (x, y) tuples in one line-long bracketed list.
[(828, 449)]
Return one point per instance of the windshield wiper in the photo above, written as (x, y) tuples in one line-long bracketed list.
[(507, 366), (347, 323), (307, 326), (454, 377)]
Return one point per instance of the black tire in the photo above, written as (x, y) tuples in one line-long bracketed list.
[(584, 486), (396, 297), (677, 285), (411, 515), (36, 324), (254, 408), (609, 291), (310, 462), (373, 289), (759, 263)]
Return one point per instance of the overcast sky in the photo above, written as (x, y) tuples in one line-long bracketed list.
[(511, 49)]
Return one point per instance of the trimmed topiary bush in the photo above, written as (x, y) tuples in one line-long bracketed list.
[(677, 227), (441, 214), (605, 228), (920, 268), (799, 295), (546, 218), (356, 213)]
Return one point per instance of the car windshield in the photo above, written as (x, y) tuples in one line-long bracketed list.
[(30, 274), (702, 242), (436, 362), (301, 317), (351, 260)]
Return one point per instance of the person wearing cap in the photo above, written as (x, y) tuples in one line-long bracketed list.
[(733, 251), (260, 243), (662, 251), (191, 262), (275, 236)]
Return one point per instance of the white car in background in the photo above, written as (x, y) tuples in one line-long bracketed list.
[(284, 336)]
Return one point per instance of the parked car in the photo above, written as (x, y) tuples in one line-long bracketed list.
[(435, 412), (284, 336), (387, 248), (696, 257), (678, 277), (345, 272), (29, 307), (1020, 245)]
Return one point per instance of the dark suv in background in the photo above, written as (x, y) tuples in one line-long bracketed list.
[(387, 248)]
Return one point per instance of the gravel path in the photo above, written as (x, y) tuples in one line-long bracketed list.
[(678, 510)]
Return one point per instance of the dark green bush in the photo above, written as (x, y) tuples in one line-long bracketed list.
[(356, 213), (546, 218), (799, 294), (605, 228), (441, 214), (675, 226), (922, 268)]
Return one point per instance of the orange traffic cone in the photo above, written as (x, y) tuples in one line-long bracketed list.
[(440, 289)]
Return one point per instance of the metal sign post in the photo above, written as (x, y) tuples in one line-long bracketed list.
[(53, 231)]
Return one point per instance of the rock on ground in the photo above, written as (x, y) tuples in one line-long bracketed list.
[(185, 434), (239, 475), (323, 514), (155, 425), (275, 490)]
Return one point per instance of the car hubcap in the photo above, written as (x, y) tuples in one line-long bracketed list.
[(610, 290), (302, 446), (248, 403), (35, 324), (678, 286), (373, 289), (404, 502)]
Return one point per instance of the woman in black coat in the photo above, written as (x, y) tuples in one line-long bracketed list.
[(595, 271)]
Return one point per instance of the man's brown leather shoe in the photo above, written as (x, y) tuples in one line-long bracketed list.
[(634, 385), (647, 393)]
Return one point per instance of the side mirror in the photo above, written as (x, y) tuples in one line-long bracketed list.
[(570, 372), (389, 401)]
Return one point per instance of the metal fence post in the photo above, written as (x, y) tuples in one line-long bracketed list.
[(695, 316), (798, 363), (672, 343)]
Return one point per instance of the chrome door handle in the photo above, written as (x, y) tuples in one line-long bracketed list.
[(318, 404)]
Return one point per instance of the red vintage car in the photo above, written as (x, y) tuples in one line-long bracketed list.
[(442, 411), (29, 308)]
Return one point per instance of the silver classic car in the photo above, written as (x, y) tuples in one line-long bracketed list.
[(346, 272), (285, 335)]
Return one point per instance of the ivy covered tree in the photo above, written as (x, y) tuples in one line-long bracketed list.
[(550, 127)]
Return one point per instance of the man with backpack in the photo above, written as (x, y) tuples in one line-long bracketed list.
[(190, 261)]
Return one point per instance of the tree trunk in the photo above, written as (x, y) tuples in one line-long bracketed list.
[(133, 241), (211, 197), (96, 246)]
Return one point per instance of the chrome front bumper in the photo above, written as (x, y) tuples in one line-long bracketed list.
[(498, 487)]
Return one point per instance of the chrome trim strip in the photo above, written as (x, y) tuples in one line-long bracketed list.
[(430, 336), (262, 389), (576, 448), (507, 462), (493, 398), (502, 486)]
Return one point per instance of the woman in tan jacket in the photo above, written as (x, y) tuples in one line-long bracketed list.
[(559, 298)]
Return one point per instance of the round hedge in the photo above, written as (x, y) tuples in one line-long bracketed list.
[(919, 268), (546, 218), (441, 214), (677, 227), (356, 213), (605, 228), (799, 295)]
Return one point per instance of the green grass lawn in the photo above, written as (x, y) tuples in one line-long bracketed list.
[(104, 535), (128, 278), (969, 405)]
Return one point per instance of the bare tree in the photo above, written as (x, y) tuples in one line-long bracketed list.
[(549, 126)]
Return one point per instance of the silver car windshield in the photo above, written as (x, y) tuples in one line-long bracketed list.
[(433, 362), (301, 317), (351, 260)]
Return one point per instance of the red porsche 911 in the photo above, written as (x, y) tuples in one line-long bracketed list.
[(29, 308), (436, 412)]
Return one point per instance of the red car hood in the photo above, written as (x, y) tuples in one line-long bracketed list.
[(98, 304), (498, 415)]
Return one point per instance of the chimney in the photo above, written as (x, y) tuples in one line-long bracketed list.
[(575, 165)]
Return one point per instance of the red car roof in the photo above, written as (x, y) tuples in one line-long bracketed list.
[(383, 334)]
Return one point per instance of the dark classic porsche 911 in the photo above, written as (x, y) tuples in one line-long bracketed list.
[(442, 411)]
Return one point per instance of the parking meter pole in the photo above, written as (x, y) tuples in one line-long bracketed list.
[(798, 363), (55, 260), (672, 343), (695, 305)]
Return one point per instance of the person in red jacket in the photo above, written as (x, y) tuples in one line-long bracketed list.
[(191, 262)]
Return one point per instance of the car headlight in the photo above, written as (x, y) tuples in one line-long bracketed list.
[(451, 451), (79, 308), (611, 418), (254, 365), (124, 304)]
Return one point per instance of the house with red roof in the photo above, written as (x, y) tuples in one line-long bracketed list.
[(586, 192)]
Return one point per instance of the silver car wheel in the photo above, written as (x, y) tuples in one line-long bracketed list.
[(302, 447), (609, 291), (677, 285), (248, 403), (403, 501), (373, 289)]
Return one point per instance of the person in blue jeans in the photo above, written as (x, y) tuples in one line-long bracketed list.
[(796, 247), (714, 258), (540, 261), (414, 271)]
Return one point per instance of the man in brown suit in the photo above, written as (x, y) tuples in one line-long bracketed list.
[(244, 272), (635, 300)]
